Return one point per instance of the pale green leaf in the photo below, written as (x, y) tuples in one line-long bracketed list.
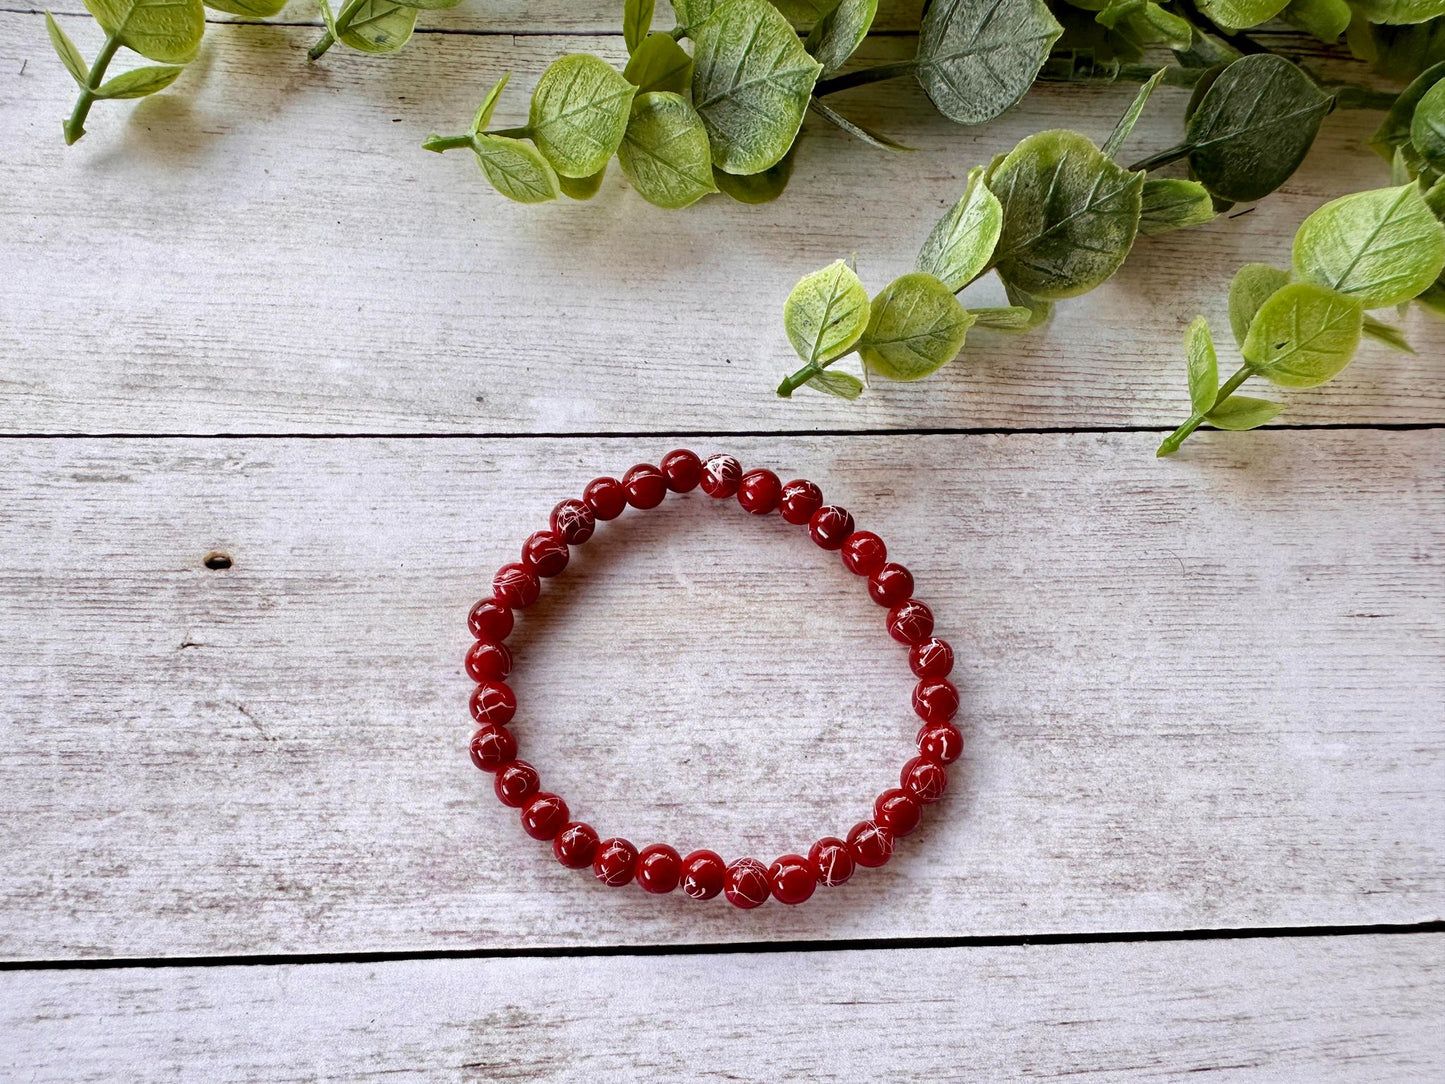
[(167, 31), (659, 64), (836, 36), (1325, 19), (665, 151), (255, 9), (581, 187), (516, 169), (433, 5), (1303, 335), (1240, 14), (1170, 29), (842, 385), (66, 50), (375, 26), (1131, 116), (915, 326), (1253, 285), (580, 110), (1388, 334), (139, 82), (856, 130), (1008, 318), (754, 188), (826, 314), (636, 22), (1400, 12), (977, 59), (1241, 412), (962, 244), (1394, 131), (1380, 247), (1427, 127), (489, 104), (1173, 204), (1203, 365), (691, 13)]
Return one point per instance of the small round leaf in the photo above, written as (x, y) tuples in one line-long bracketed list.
[(977, 59), (167, 31), (659, 64), (665, 151), (1253, 285), (516, 169), (375, 26), (579, 112), (1303, 335), (915, 326), (826, 314)]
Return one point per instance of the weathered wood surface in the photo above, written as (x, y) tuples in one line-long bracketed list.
[(1198, 694)]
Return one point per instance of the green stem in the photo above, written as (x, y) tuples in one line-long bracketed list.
[(794, 381), (326, 41), (75, 126), (440, 144), (864, 76), (1171, 443)]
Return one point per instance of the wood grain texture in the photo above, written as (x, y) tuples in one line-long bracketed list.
[(1340, 1009), (266, 248), (1199, 693)]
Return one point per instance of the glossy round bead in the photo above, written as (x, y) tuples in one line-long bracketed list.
[(544, 816), (574, 521), (682, 469), (798, 501), (645, 486), (490, 620), (487, 661), (831, 526), (870, 844), (721, 475), (515, 783), (516, 586), (890, 585), (746, 884), (702, 874), (493, 702), (758, 492), (935, 700), (606, 497), (933, 658), (614, 862), (910, 622), (831, 860), (925, 779), (575, 845), (792, 879), (864, 553), (897, 810), (493, 746), (545, 553), (658, 868), (940, 741)]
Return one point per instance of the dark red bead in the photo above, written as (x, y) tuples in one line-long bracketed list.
[(606, 498), (516, 586), (910, 622), (575, 845), (935, 700), (931, 659), (831, 526), (897, 810), (870, 844), (493, 702), (792, 879), (702, 874), (658, 868), (645, 486), (490, 620), (746, 884), (545, 553), (614, 862), (493, 746), (574, 521), (831, 860), (758, 492), (799, 500), (890, 585), (721, 475), (864, 553), (925, 779), (515, 783), (544, 816), (682, 469), (940, 741), (487, 661)]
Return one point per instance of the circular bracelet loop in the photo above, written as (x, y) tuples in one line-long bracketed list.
[(702, 874)]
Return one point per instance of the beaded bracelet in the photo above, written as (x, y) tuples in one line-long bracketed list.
[(746, 882)]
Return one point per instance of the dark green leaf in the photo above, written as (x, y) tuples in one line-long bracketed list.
[(1394, 131), (804, 12), (756, 188), (1203, 365), (579, 112), (516, 169), (962, 244), (1427, 127), (1039, 309), (582, 187), (66, 50), (167, 31), (856, 130), (1173, 204), (665, 151), (977, 59), (1253, 285), (139, 82), (659, 64), (1303, 335), (636, 22), (839, 33), (1241, 412), (914, 326), (1398, 52), (1380, 247), (840, 384), (1131, 116)]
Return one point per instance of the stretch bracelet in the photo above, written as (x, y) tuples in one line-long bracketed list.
[(702, 874)]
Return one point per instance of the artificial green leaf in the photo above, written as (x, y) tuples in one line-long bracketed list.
[(1203, 365), (665, 152), (1069, 215), (1400, 171), (1435, 199), (579, 112), (636, 22), (167, 31), (1325, 19), (1388, 334), (1433, 299), (516, 169), (977, 59), (842, 385), (139, 82), (1394, 131), (751, 81), (1039, 309), (1240, 14), (1380, 247), (1253, 127), (1427, 127), (659, 64), (1173, 204), (1253, 285), (489, 104), (914, 326), (66, 50), (756, 188), (691, 13), (961, 245), (804, 12), (1398, 52), (1173, 31), (433, 5), (1009, 318), (1131, 116), (836, 36), (1303, 335), (826, 314), (256, 9), (581, 187), (1241, 412), (1400, 12), (856, 130), (375, 26)]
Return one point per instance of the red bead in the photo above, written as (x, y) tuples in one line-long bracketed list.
[(658, 868), (940, 741), (516, 586), (682, 469), (792, 879), (490, 620), (721, 475), (544, 816), (487, 661), (545, 553), (614, 862), (832, 861), (864, 553), (574, 521), (515, 783), (606, 498), (493, 702), (890, 585), (799, 500), (746, 884), (645, 486), (925, 779), (897, 810), (493, 746), (935, 700), (575, 845), (910, 622), (870, 844), (831, 526), (702, 874), (931, 659), (758, 492)]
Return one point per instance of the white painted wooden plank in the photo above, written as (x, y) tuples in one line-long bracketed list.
[(1336, 1009), (267, 248), (1199, 693)]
